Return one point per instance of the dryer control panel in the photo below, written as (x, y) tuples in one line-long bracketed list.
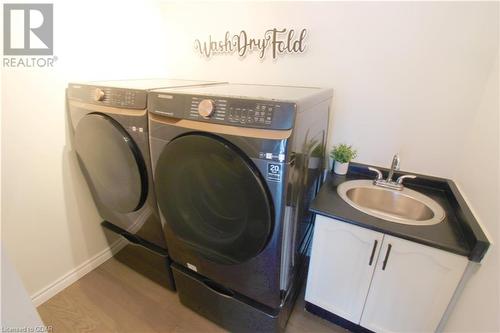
[(222, 110), (106, 96)]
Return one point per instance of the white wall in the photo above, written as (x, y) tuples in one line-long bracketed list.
[(408, 77), (478, 177), (49, 223)]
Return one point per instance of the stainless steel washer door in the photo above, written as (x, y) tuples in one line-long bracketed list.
[(111, 162)]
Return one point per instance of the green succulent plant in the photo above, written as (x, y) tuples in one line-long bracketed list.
[(343, 153)]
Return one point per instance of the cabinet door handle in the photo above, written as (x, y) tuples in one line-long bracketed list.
[(373, 252), (389, 247)]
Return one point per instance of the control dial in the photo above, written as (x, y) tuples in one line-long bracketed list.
[(98, 95), (206, 108)]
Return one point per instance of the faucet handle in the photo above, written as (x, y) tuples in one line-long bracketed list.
[(401, 178), (379, 174)]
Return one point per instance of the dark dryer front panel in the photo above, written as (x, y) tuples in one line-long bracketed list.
[(112, 163), (111, 146), (214, 198), (218, 204)]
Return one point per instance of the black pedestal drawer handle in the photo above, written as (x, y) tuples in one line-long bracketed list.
[(217, 288)]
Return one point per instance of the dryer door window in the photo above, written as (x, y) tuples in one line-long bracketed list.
[(111, 162), (213, 198)]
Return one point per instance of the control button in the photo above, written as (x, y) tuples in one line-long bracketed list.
[(98, 95), (206, 108)]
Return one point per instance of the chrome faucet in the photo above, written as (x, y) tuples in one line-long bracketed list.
[(388, 182), (394, 167)]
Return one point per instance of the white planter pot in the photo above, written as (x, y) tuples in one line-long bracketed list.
[(340, 168)]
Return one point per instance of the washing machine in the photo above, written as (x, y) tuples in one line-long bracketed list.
[(109, 126), (235, 167)]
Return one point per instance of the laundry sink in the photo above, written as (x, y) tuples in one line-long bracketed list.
[(403, 206)]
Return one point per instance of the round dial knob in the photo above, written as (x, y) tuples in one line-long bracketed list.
[(206, 107), (98, 95)]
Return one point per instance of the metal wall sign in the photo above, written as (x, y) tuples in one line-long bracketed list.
[(275, 42)]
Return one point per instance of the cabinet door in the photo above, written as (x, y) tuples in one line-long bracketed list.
[(411, 288), (342, 262)]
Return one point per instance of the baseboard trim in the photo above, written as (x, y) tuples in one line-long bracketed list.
[(75, 274)]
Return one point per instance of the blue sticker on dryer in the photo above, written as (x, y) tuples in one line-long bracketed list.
[(274, 172)]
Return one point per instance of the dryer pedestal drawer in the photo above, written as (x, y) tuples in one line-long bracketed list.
[(222, 306), (143, 257), (152, 265)]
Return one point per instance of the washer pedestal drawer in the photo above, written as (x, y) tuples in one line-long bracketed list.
[(222, 306)]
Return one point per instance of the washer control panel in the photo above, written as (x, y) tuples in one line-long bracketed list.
[(222, 110), (114, 97), (261, 114)]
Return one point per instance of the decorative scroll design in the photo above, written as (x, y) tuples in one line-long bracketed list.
[(277, 41)]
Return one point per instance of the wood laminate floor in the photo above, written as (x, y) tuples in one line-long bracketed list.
[(114, 298)]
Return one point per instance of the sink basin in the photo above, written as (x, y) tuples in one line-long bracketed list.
[(406, 206)]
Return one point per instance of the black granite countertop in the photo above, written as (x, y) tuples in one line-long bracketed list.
[(459, 232)]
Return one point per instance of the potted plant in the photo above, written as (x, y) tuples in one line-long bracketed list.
[(316, 156), (342, 154)]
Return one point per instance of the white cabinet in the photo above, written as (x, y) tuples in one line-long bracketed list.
[(411, 292), (342, 262), (406, 288)]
